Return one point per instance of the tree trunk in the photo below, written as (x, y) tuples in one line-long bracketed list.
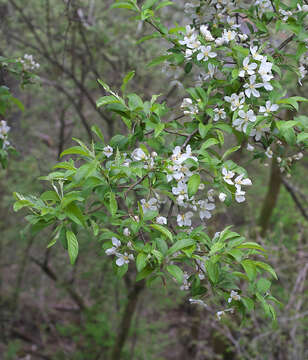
[(271, 198), (126, 320)]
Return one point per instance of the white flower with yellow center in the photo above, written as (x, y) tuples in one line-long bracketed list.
[(268, 108), (150, 205), (247, 68), (227, 176), (219, 114), (205, 53), (184, 219), (251, 87)]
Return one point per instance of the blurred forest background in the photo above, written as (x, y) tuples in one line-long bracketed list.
[(51, 310)]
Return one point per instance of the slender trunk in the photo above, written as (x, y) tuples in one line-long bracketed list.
[(271, 198), (126, 320)]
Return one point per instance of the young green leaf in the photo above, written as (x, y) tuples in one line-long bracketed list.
[(72, 244)]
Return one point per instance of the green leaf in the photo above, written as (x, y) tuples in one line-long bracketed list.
[(248, 303), (212, 270), (193, 184), (263, 285), (302, 137), (216, 247), (97, 131), (250, 269), (134, 102), (126, 79), (163, 4), (144, 273), (208, 143), (176, 272), (72, 244), (50, 196), (124, 5), (70, 197), (141, 261), (204, 129), (180, 244), (230, 151), (158, 129), (75, 214), (158, 60), (113, 203), (148, 4), (76, 150), (267, 268), (250, 245), (163, 230), (105, 100)]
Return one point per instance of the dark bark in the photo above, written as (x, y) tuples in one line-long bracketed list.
[(271, 197), (127, 320)]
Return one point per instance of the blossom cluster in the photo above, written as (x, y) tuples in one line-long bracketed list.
[(28, 63), (122, 257), (4, 130)]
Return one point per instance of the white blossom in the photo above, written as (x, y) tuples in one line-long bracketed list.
[(237, 101), (206, 33), (161, 220), (251, 88), (268, 108), (258, 132), (184, 219), (4, 129), (242, 122), (222, 197), (285, 14), (139, 155), (205, 208), (250, 147), (116, 244), (205, 53), (232, 22), (302, 8), (198, 301), (302, 73), (239, 180), (210, 195), (126, 232), (227, 176), (269, 153), (265, 71), (219, 314), (234, 296), (254, 53), (108, 151), (150, 205), (239, 195), (190, 107), (190, 36), (186, 283), (28, 63), (123, 258), (220, 114), (298, 156), (229, 35), (247, 68)]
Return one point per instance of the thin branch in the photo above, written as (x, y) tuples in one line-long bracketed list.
[(135, 184), (73, 294), (189, 138), (292, 192)]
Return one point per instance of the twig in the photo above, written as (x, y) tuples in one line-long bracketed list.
[(292, 192), (189, 138), (135, 184), (73, 294)]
